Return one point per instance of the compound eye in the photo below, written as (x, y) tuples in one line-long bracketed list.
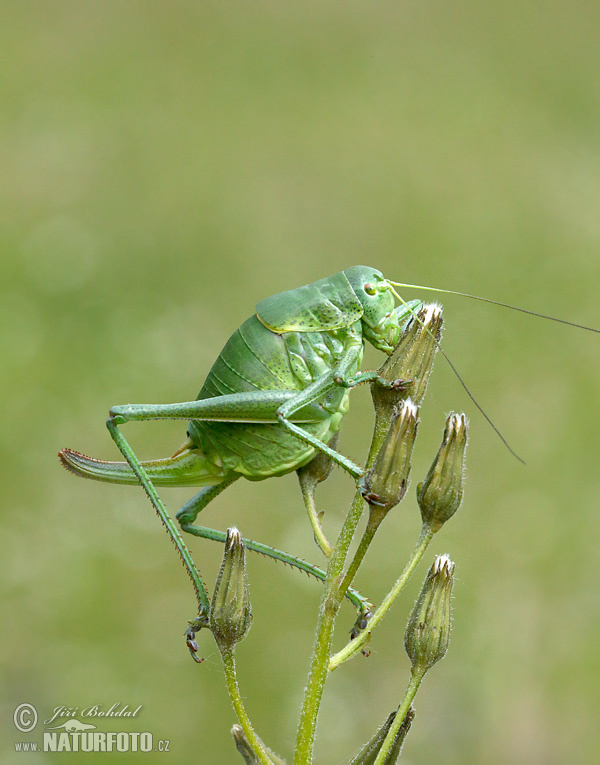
[(370, 289)]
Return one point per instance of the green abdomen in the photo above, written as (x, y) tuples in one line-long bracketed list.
[(256, 359)]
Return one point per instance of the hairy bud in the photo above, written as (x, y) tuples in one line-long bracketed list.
[(368, 754), (440, 494), (428, 631), (412, 358), (386, 482), (230, 613)]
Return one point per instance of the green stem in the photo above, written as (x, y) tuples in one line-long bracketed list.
[(257, 745), (411, 691), (375, 518), (376, 514), (313, 516), (360, 641), (330, 603)]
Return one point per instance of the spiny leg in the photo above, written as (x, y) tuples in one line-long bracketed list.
[(373, 376), (289, 407), (184, 553), (187, 514), (245, 407), (358, 601), (308, 397), (337, 377), (258, 406), (349, 466), (286, 406), (199, 501)]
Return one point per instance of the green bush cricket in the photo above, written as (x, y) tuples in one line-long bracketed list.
[(271, 404), (274, 399)]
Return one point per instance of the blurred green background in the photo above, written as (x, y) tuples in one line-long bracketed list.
[(167, 165)]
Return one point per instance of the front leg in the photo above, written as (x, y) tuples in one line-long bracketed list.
[(289, 407), (335, 378), (373, 376), (349, 466)]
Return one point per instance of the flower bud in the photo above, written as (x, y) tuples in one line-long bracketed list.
[(368, 754), (440, 494), (428, 631), (386, 482), (412, 358), (230, 613), (243, 746)]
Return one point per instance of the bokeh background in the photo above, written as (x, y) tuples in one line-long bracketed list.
[(164, 166)]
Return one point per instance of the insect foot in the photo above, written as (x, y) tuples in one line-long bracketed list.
[(194, 626), (360, 625), (402, 384), (369, 496)]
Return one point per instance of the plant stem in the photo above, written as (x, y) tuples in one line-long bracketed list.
[(313, 516), (375, 518), (330, 604), (376, 514), (413, 687), (257, 745), (355, 645)]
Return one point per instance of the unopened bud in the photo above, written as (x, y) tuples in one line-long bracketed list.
[(368, 754), (230, 613), (243, 746), (440, 494), (412, 358), (428, 631), (386, 482)]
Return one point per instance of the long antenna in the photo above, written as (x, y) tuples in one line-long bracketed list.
[(493, 302), (456, 372), (478, 405), (497, 302)]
